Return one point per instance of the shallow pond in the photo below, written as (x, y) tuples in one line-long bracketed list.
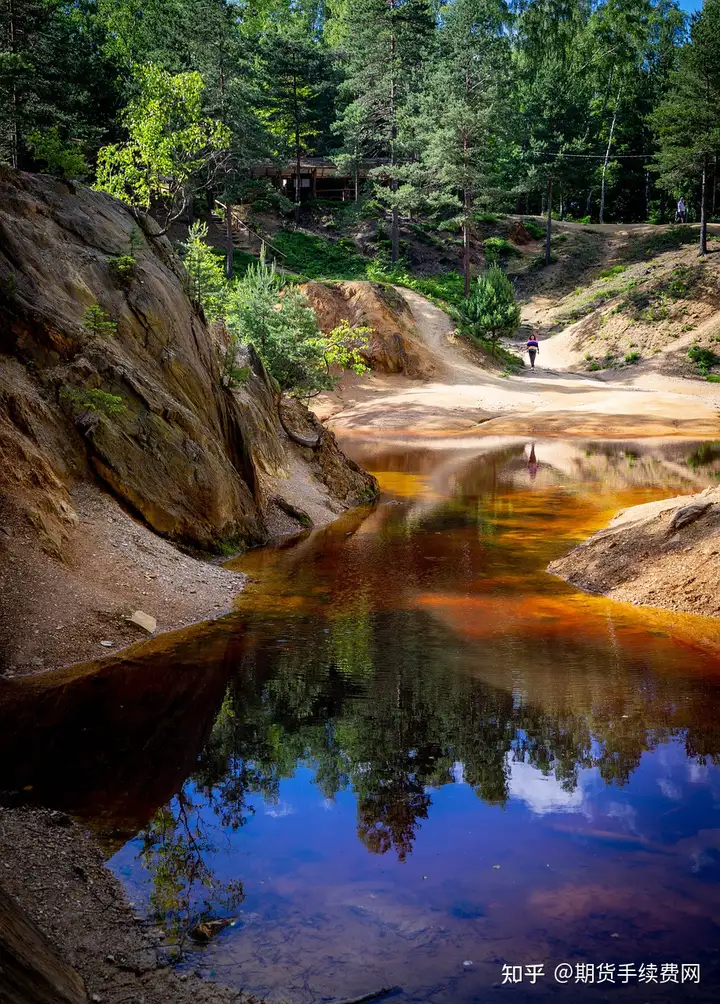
[(417, 757)]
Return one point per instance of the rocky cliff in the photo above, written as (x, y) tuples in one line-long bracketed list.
[(110, 379)]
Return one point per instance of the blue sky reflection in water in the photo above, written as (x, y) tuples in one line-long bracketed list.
[(434, 753)]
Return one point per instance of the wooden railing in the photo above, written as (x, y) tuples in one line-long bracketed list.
[(237, 224)]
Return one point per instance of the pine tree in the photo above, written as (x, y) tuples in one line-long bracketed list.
[(687, 123), (296, 75), (384, 43), (555, 87), (53, 74), (464, 109), (492, 311)]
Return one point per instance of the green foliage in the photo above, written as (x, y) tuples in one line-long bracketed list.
[(205, 276), (610, 273), (319, 258), (687, 121), (497, 249), (281, 325), (172, 149), (98, 324), (64, 160), (262, 196), (491, 311), (632, 357), (680, 283), (705, 359), (122, 268), (81, 402), (536, 231)]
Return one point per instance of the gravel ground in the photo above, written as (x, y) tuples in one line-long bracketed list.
[(56, 873), (114, 566)]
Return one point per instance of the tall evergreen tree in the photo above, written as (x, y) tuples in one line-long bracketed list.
[(53, 73), (297, 77), (687, 123), (384, 44), (554, 94), (464, 116)]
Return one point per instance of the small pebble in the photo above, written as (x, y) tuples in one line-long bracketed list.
[(467, 963)]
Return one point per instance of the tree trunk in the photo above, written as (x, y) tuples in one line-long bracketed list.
[(297, 182), (466, 239), (393, 136), (548, 225), (296, 112), (14, 129), (229, 242), (588, 202), (703, 210), (607, 158), (647, 195), (467, 201)]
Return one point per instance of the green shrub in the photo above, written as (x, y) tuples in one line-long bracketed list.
[(83, 402), (704, 359), (632, 357), (64, 160), (319, 258), (491, 310), (497, 249), (610, 273), (536, 231), (262, 196), (205, 281), (681, 279), (280, 323), (122, 268)]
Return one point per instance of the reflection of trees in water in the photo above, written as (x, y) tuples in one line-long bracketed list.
[(177, 848), (390, 718), (387, 702)]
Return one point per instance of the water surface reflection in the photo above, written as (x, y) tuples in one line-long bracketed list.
[(428, 751)]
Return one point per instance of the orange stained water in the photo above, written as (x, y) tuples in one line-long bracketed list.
[(410, 747)]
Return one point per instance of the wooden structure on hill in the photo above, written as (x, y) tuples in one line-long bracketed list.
[(319, 177)]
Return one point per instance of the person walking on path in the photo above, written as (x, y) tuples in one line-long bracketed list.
[(533, 347), (681, 215)]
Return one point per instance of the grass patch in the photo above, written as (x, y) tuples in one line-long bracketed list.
[(610, 273), (319, 258), (705, 360), (497, 249), (671, 239)]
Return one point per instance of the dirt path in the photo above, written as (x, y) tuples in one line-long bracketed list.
[(552, 400)]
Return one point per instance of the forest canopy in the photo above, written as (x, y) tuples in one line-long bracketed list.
[(599, 110)]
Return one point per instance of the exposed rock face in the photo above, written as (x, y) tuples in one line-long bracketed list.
[(394, 346), (198, 463), (32, 972), (664, 554)]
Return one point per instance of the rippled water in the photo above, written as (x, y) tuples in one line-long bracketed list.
[(412, 749)]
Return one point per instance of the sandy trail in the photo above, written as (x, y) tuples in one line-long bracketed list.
[(552, 400)]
